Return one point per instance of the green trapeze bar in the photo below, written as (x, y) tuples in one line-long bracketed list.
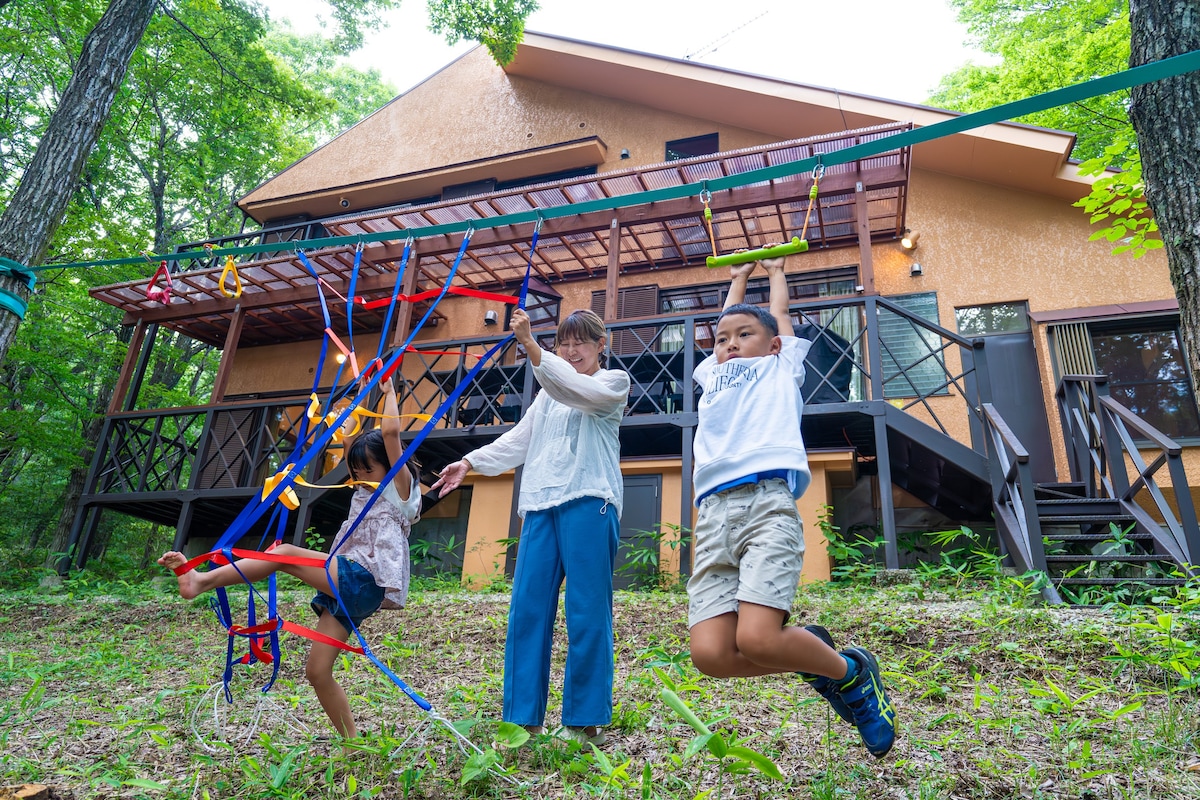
[(796, 245)]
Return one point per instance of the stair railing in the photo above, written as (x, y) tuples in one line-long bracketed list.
[(1013, 497), (1105, 439)]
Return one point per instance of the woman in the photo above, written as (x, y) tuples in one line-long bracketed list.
[(571, 491)]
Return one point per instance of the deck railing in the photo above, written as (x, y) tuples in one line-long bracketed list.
[(238, 444)]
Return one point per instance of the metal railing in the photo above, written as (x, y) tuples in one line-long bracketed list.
[(224, 446), (1104, 438), (238, 444)]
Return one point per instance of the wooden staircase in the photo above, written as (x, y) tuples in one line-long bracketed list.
[(1106, 527)]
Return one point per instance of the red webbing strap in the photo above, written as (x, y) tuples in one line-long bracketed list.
[(462, 291), (162, 295), (218, 557), (317, 636), (291, 627)]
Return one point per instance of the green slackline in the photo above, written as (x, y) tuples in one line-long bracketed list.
[(1135, 76), (10, 301)]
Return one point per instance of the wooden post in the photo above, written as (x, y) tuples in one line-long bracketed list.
[(867, 267), (409, 287), (126, 376), (231, 342), (614, 271)]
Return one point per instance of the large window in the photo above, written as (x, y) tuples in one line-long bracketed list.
[(912, 361), (1147, 373), (992, 319), (693, 146)]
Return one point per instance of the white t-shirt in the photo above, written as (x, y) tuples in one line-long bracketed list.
[(749, 418), (567, 440)]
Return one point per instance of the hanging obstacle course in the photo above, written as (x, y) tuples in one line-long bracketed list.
[(263, 637)]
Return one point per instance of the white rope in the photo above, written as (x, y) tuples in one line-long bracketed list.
[(238, 722)]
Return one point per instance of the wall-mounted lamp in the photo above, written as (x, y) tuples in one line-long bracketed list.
[(490, 317), (915, 270), (909, 240), (624, 153), (340, 358)]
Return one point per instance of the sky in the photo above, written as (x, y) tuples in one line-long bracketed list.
[(884, 48)]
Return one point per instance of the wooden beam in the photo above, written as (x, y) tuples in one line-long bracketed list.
[(866, 268), (403, 319), (126, 375), (614, 271), (227, 354)]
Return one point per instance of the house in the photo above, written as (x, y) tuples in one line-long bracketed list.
[(977, 360)]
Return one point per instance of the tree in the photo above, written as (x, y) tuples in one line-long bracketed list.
[(180, 141), (1043, 45), (1166, 115), (35, 211), (36, 208)]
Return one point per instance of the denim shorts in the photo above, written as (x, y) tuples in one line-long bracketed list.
[(361, 596)]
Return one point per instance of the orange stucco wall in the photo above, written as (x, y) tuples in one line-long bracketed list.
[(473, 111), (491, 504)]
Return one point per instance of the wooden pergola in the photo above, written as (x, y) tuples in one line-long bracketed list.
[(859, 202)]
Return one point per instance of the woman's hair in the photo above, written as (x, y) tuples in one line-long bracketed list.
[(583, 325)]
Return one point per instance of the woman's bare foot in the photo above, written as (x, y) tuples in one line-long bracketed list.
[(188, 587)]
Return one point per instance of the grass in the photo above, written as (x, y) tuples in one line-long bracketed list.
[(998, 698)]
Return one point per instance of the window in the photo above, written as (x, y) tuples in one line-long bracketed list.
[(635, 301), (801, 286), (912, 359), (542, 304), (460, 190), (1146, 372), (992, 318), (694, 146)]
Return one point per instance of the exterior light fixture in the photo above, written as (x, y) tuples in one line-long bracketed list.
[(340, 358), (909, 240)]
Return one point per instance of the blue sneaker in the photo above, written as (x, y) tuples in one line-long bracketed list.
[(874, 715), (827, 687)]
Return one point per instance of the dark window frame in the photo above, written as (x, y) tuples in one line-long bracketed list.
[(692, 146)]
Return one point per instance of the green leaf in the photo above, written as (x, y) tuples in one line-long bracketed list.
[(759, 761), (681, 708), (142, 783)]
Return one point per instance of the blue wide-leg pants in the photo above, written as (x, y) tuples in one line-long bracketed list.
[(576, 541)]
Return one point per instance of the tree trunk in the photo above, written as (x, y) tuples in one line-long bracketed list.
[(1166, 116), (38, 205)]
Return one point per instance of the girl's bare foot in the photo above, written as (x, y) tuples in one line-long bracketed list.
[(188, 587)]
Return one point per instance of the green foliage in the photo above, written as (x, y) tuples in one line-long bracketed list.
[(731, 757), (498, 25), (1042, 46), (851, 559), (1118, 199), (643, 556)]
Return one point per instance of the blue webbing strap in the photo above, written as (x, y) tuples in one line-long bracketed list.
[(258, 504)]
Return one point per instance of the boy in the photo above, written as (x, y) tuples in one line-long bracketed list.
[(750, 467)]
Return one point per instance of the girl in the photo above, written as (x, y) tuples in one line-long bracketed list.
[(571, 493), (371, 566)]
